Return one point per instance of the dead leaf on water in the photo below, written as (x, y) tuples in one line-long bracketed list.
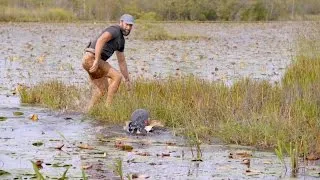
[(86, 166), (164, 154), (34, 117), (143, 154), (85, 146), (140, 176), (250, 172), (171, 143), (267, 162), (244, 153), (120, 145), (240, 154)]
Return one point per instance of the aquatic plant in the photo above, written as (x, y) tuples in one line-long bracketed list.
[(84, 177), (118, 169), (280, 154), (39, 176), (194, 141)]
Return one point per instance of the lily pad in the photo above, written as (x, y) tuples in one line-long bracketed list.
[(3, 173), (37, 143), (61, 165), (2, 118), (18, 113)]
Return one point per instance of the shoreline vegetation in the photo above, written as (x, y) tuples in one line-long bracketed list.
[(249, 112), (159, 10)]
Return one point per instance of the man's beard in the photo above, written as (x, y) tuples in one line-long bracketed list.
[(125, 32)]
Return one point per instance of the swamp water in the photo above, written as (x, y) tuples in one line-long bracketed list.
[(34, 52)]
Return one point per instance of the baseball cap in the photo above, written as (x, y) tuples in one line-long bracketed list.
[(127, 18)]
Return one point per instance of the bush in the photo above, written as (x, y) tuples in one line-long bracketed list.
[(150, 16), (26, 15), (256, 12), (57, 14)]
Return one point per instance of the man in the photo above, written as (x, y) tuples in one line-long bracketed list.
[(102, 75)]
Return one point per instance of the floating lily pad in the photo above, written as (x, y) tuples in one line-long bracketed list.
[(3, 173), (2, 118), (37, 143), (17, 113), (61, 165)]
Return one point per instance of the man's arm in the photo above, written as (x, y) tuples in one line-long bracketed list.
[(105, 37), (123, 65), (123, 68)]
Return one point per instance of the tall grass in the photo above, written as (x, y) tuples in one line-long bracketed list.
[(36, 15), (156, 32), (53, 94)]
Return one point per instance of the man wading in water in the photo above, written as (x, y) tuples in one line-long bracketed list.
[(102, 75)]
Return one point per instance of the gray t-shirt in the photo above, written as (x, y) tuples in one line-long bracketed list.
[(115, 44)]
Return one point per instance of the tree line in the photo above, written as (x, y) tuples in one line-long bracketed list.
[(165, 10)]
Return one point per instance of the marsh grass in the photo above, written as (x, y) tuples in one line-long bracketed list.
[(156, 31), (38, 174), (118, 168), (36, 15), (52, 94), (249, 112)]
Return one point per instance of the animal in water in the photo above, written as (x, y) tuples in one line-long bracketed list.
[(139, 120)]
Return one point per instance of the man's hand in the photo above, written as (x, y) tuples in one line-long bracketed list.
[(129, 85), (94, 66)]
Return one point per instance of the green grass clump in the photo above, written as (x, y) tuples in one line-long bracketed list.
[(248, 113), (52, 94)]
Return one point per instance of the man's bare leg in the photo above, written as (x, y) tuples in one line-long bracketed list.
[(114, 83), (104, 74), (98, 79), (100, 86)]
